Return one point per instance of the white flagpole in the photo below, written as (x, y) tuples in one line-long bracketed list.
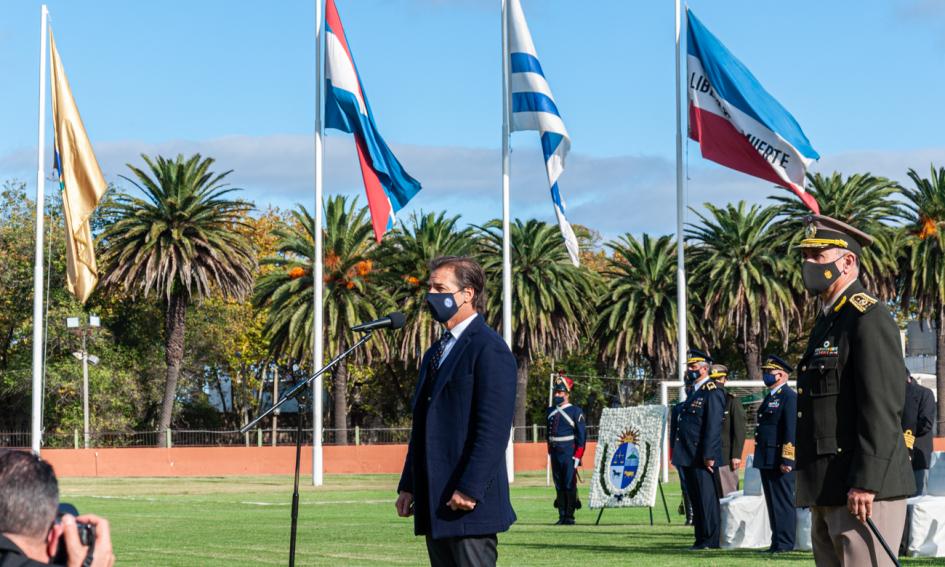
[(318, 356), (506, 236), (37, 417), (680, 253)]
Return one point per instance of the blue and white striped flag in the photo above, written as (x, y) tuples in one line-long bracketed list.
[(533, 108)]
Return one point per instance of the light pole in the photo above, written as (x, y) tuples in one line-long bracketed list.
[(74, 323)]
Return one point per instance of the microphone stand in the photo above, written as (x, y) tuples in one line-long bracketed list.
[(293, 393)]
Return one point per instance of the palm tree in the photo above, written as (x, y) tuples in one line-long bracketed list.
[(551, 299), (405, 256), (741, 272), (924, 263), (351, 294), (179, 243), (861, 200), (637, 311)]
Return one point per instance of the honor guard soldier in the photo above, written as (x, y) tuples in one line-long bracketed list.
[(566, 438), (733, 433), (774, 452), (852, 462), (697, 448)]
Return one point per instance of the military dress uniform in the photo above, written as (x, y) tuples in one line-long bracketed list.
[(733, 434), (699, 438), (850, 399), (686, 506), (774, 447), (567, 436)]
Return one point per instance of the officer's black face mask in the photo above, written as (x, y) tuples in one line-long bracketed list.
[(558, 400), (692, 375), (819, 277)]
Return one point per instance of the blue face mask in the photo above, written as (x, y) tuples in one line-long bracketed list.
[(692, 375), (442, 305), (558, 400), (769, 379)]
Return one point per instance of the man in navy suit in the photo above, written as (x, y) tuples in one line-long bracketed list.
[(697, 448), (774, 452), (455, 481)]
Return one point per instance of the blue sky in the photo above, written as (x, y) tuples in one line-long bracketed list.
[(235, 80)]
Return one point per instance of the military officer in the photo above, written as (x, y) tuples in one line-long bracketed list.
[(566, 438), (697, 448), (774, 452), (685, 507), (852, 462), (733, 433)]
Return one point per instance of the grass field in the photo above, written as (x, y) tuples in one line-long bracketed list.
[(351, 521)]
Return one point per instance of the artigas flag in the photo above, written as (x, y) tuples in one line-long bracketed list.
[(533, 108), (737, 123), (80, 180), (388, 186)]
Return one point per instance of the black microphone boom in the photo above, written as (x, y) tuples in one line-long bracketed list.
[(394, 320)]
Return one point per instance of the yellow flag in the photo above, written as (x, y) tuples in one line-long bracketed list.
[(80, 179)]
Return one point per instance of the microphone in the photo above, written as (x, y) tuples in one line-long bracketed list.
[(393, 320)]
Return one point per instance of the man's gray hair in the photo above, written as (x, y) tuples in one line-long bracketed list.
[(29, 494)]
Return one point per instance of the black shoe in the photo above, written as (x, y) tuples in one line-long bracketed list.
[(697, 547), (567, 522)]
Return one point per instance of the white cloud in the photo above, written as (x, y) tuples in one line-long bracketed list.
[(614, 195)]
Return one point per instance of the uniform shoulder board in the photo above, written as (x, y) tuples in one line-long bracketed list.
[(710, 385), (862, 301)]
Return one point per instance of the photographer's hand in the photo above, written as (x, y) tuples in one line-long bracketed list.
[(102, 555)]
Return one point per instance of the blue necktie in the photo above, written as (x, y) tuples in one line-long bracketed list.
[(440, 349)]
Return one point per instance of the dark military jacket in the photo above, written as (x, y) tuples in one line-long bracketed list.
[(918, 421), (851, 392), (699, 427), (733, 429), (775, 436), (563, 422)]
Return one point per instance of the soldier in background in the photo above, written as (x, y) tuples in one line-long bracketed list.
[(566, 438), (918, 420), (774, 452), (685, 507), (697, 449), (852, 462), (733, 433)]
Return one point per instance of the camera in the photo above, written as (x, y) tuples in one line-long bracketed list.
[(86, 535)]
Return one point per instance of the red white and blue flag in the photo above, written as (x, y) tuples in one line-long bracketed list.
[(737, 123), (388, 186)]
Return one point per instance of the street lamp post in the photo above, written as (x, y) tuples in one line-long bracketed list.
[(74, 323)]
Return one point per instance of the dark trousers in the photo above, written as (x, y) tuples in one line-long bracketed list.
[(702, 487), (779, 496), (562, 471), (469, 551), (686, 503)]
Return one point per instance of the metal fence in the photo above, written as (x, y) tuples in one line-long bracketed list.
[(233, 438)]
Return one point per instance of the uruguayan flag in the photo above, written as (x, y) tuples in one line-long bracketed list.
[(533, 108)]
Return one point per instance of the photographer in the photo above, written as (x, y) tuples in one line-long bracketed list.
[(29, 531)]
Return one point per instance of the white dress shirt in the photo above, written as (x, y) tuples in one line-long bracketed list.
[(455, 333)]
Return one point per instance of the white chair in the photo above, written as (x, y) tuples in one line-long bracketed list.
[(927, 512), (745, 514)]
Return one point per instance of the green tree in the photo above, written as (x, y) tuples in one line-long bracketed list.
[(739, 269), (637, 313), (924, 263), (551, 299), (180, 243), (351, 293)]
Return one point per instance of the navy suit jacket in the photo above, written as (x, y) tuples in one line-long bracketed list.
[(468, 421), (699, 427), (776, 434)]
